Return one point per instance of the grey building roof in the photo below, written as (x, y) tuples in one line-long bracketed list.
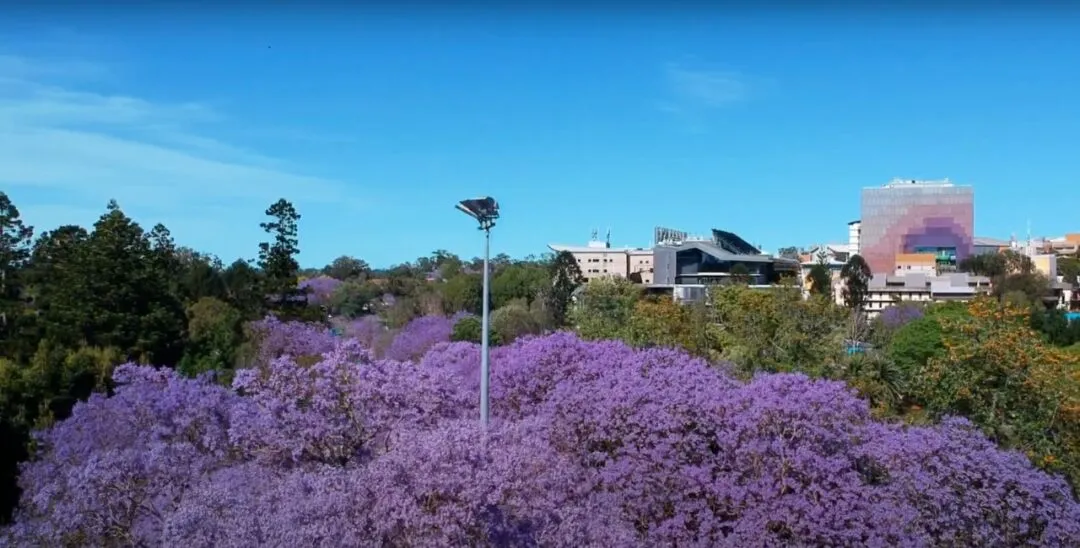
[(720, 253), (982, 240), (955, 283), (734, 242)]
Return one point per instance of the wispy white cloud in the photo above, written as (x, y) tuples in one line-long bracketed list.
[(710, 88), (695, 91), (23, 68), (70, 147)]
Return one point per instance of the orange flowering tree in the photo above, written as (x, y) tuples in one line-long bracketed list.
[(998, 372)]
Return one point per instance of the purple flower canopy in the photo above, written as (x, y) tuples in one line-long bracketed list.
[(591, 444), (899, 315), (319, 288), (418, 336)]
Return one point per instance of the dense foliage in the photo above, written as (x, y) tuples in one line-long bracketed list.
[(593, 444)]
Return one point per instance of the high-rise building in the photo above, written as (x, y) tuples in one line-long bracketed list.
[(925, 217)]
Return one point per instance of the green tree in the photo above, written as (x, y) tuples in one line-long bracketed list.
[(777, 330), (347, 268), (566, 277), (740, 274), (515, 319), (914, 343), (463, 293), (1069, 268), (243, 288), (15, 240), (354, 298), (518, 281), (200, 276), (1022, 288), (132, 298), (1012, 275), (277, 259), (789, 253), (1053, 323), (441, 262), (107, 289), (215, 333), (856, 276), (990, 265), (400, 312), (468, 329), (403, 280), (820, 280), (58, 282), (604, 308), (665, 323)]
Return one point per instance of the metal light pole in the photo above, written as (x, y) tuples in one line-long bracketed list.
[(485, 210)]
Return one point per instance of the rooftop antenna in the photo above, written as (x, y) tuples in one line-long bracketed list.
[(607, 238), (1030, 248), (593, 237)]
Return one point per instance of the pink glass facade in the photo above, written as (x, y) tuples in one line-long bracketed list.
[(915, 218)]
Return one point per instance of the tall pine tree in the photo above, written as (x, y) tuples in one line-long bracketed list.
[(15, 239), (277, 259), (565, 278)]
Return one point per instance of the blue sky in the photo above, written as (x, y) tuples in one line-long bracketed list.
[(375, 123)]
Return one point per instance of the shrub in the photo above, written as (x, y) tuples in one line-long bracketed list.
[(514, 320), (469, 329)]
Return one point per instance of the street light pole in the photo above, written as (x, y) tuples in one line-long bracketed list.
[(485, 372), (485, 210)]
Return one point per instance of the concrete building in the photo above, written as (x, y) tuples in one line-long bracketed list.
[(1045, 264), (715, 261), (855, 237), (983, 245), (834, 257), (886, 290), (597, 259), (910, 216), (640, 265), (916, 263), (1065, 246)]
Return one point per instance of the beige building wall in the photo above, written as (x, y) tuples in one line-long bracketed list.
[(596, 264), (1046, 265), (598, 261), (641, 262), (916, 263)]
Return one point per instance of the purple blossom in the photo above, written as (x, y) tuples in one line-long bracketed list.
[(274, 338), (370, 332), (319, 289), (418, 336), (591, 444), (898, 315)]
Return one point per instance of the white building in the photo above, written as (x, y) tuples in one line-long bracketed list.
[(884, 291), (598, 259)]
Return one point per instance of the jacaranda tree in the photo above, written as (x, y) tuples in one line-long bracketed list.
[(591, 444)]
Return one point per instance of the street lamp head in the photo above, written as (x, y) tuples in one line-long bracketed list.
[(485, 210)]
